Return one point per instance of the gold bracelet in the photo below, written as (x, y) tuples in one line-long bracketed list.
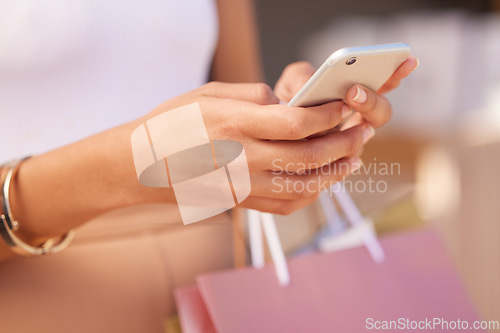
[(8, 224)]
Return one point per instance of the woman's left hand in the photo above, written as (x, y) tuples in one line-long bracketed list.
[(371, 107)]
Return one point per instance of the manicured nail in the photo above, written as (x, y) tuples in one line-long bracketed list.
[(368, 133), (361, 95), (345, 111), (355, 164)]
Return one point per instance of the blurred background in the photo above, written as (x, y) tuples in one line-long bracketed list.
[(445, 132)]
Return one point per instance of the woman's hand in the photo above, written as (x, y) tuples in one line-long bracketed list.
[(279, 161), (371, 107), (57, 191)]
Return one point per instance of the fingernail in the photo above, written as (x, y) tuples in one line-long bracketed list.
[(368, 133), (418, 64), (355, 164), (345, 111), (361, 95)]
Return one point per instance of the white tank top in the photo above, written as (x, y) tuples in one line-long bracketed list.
[(69, 69)]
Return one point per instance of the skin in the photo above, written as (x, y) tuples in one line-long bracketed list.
[(99, 174)]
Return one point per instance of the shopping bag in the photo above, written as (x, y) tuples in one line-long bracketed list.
[(415, 289), (193, 314)]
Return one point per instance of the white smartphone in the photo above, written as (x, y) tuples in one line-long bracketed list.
[(370, 66)]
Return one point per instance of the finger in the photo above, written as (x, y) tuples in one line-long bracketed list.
[(291, 186), (232, 118), (281, 122), (258, 93), (408, 66), (355, 120), (276, 206), (375, 109), (308, 154), (293, 79)]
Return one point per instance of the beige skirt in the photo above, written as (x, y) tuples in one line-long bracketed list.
[(118, 275)]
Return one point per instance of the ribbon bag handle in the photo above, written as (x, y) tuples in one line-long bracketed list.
[(355, 218), (259, 221)]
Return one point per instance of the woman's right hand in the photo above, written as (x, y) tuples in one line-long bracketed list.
[(283, 168), (59, 190)]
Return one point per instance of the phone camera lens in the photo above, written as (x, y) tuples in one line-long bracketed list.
[(350, 61)]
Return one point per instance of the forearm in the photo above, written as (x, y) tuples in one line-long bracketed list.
[(237, 57), (58, 191)]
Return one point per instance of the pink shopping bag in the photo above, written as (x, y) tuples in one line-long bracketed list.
[(193, 314), (416, 289)]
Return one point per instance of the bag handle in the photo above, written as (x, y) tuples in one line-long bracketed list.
[(353, 215), (259, 221)]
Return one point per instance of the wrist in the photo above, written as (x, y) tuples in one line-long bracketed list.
[(9, 225), (8, 195), (62, 189)]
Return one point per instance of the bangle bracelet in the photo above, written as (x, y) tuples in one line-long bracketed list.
[(8, 224)]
